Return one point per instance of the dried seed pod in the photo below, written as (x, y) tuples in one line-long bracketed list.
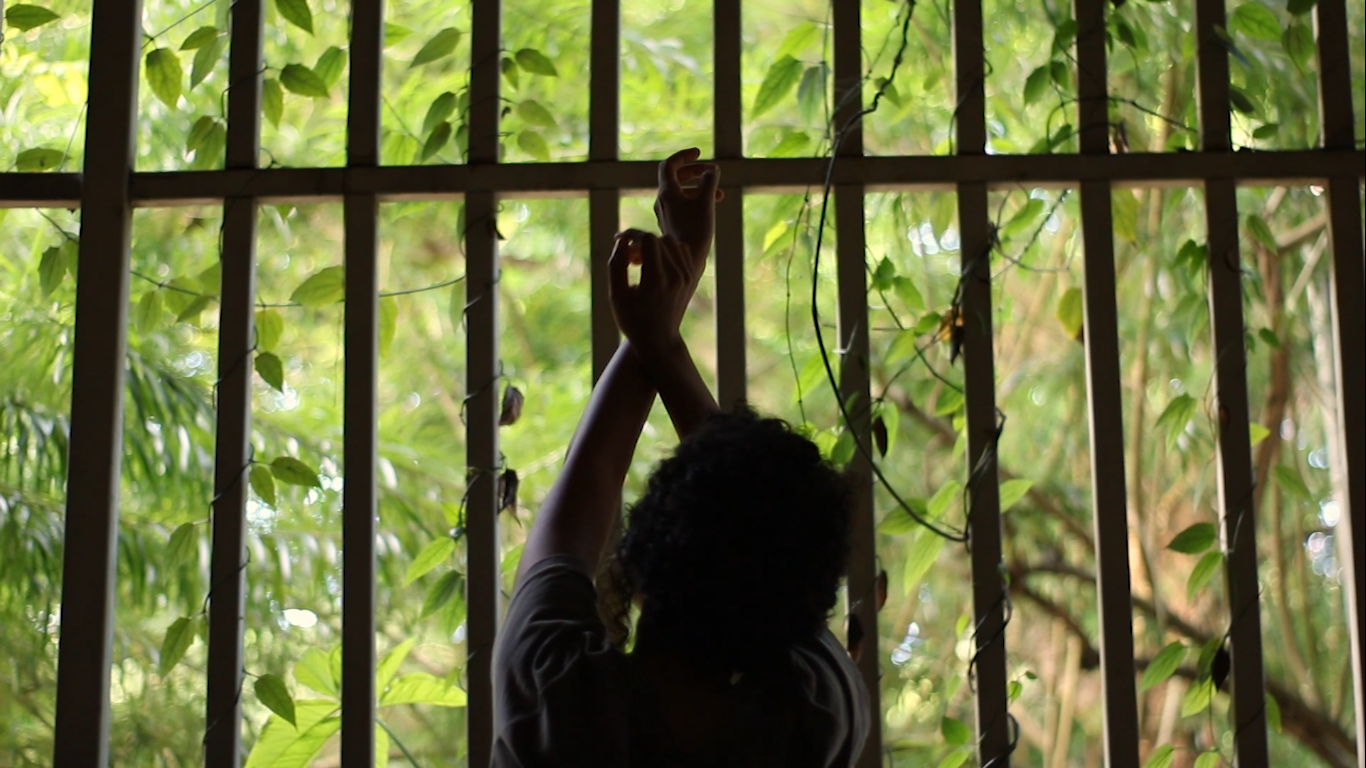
[(881, 588), (880, 436), (512, 407), (507, 490)]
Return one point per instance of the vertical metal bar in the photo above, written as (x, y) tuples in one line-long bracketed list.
[(604, 205), (361, 426), (232, 449), (851, 272), (1236, 483), (730, 215), (481, 384), (1108, 503), (92, 513), (1344, 235), (994, 738)]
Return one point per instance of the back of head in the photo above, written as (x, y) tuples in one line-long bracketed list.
[(739, 543)]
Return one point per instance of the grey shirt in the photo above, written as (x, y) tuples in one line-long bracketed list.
[(564, 697)]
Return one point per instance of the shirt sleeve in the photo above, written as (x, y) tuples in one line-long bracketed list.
[(559, 698)]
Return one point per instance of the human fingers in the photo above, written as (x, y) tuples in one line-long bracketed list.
[(710, 188), (617, 266), (651, 268), (668, 170)]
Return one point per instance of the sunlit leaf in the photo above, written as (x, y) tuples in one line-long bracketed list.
[(1257, 433), (294, 472), (194, 309), (898, 521), (955, 759), (1014, 490), (1203, 572), (296, 78), (272, 100), (282, 745), (395, 33), (440, 46), (535, 114), (270, 326), (38, 159), (25, 17), (533, 144), (272, 692), (780, 79), (1292, 483), (798, 40), (1273, 713), (1064, 35), (955, 733), (200, 38), (1260, 231), (535, 62), (1298, 42), (1026, 216), (314, 670), (1197, 698), (205, 59), (1175, 417), (1194, 540), (811, 92), (296, 12), (422, 688), (183, 545), (442, 107), (511, 72), (922, 556), (388, 324), (431, 556), (1161, 757), (389, 664), (164, 75), (271, 369), (324, 287), (1069, 312), (448, 586), (1207, 760), (1255, 20), (330, 66), (263, 482), (179, 637), (51, 270), (1301, 7), (436, 141), (1163, 665)]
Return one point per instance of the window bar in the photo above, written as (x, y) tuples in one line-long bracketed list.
[(1114, 601), (1344, 235), (1236, 483), (232, 449), (729, 264), (482, 378), (994, 736), (81, 738), (853, 350), (604, 203), (361, 425)]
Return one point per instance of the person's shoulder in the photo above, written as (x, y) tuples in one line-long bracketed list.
[(836, 709)]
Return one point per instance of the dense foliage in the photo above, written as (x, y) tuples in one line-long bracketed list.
[(293, 613)]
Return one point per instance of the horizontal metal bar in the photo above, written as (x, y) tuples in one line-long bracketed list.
[(762, 175)]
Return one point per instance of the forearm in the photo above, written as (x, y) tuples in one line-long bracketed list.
[(686, 396), (577, 515)]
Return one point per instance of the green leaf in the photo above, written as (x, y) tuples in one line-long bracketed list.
[(1194, 540), (1161, 757), (148, 311), (26, 17), (395, 33), (1061, 74), (1197, 698), (199, 132), (296, 12), (390, 662), (272, 691), (436, 140), (1125, 33), (326, 286), (296, 78), (183, 545), (890, 92), (1202, 572), (440, 46), (51, 270), (422, 688), (922, 556), (1273, 713), (1013, 690), (1175, 417), (798, 40), (179, 638), (442, 107), (263, 483), (950, 402), (388, 324), (294, 472), (1207, 760), (1255, 20), (200, 38), (511, 72), (194, 309), (944, 498), (1260, 231), (1241, 101), (1257, 433), (955, 733), (1267, 131), (270, 326), (430, 557), (271, 369), (535, 62), (1301, 7), (927, 323), (448, 586), (38, 159), (1124, 210), (898, 521), (1207, 653), (811, 92), (1290, 481), (778, 81), (1069, 312), (314, 670), (1163, 665), (1024, 217), (330, 66), (534, 114), (531, 143), (282, 745), (1298, 42), (1064, 35), (164, 74), (1036, 84), (1269, 338), (792, 145), (205, 59), (954, 759), (1014, 490), (272, 100), (904, 287)]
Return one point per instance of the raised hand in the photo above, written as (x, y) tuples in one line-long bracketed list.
[(649, 312), (685, 205)]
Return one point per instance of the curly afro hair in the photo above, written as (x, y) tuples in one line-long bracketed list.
[(738, 545)]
